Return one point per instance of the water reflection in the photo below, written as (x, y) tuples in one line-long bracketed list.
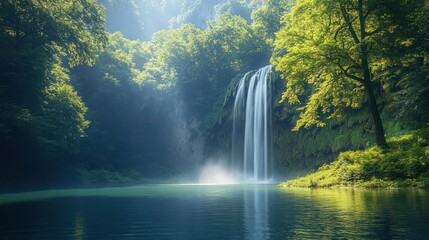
[(79, 227), (215, 212), (356, 214), (256, 212)]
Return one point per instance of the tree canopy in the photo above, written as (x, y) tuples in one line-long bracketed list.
[(337, 49), (75, 28), (42, 112)]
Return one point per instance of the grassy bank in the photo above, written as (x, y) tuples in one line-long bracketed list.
[(404, 164)]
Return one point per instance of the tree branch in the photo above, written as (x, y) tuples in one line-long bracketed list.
[(338, 31), (345, 71), (361, 20), (369, 34), (373, 7), (349, 24)]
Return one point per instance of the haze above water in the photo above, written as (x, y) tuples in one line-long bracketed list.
[(214, 212)]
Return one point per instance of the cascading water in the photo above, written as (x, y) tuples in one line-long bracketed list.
[(252, 120)]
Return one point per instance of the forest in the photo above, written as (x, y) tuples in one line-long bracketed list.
[(96, 92)]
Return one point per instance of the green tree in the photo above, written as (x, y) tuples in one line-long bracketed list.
[(75, 28), (174, 56), (267, 18), (405, 69), (233, 46), (64, 111), (42, 112), (333, 46)]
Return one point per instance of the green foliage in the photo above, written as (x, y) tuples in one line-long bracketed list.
[(318, 46), (406, 69), (174, 55), (267, 18), (64, 111), (234, 43), (41, 111), (242, 8), (307, 149), (112, 95), (338, 50), (75, 28), (197, 65), (405, 163)]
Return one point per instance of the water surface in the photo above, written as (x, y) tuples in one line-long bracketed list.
[(214, 212)]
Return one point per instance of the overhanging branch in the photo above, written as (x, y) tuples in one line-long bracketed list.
[(349, 75)]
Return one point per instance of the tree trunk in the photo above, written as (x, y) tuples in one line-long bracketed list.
[(373, 108), (380, 139)]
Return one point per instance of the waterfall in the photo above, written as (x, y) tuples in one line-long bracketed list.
[(251, 141)]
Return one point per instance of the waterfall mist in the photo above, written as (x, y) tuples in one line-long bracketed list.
[(216, 173)]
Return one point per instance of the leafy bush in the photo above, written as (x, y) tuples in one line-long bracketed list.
[(404, 164)]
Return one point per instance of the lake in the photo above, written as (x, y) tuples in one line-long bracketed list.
[(214, 212)]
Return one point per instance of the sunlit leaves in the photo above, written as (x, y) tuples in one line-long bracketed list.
[(191, 56), (319, 46), (64, 111), (172, 53), (231, 43)]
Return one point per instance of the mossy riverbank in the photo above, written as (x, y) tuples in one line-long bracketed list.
[(404, 164)]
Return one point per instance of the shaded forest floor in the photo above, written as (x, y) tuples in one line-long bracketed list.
[(404, 164)]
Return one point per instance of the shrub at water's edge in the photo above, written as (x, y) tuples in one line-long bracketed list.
[(404, 164)]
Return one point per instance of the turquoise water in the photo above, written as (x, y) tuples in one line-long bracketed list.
[(215, 212)]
